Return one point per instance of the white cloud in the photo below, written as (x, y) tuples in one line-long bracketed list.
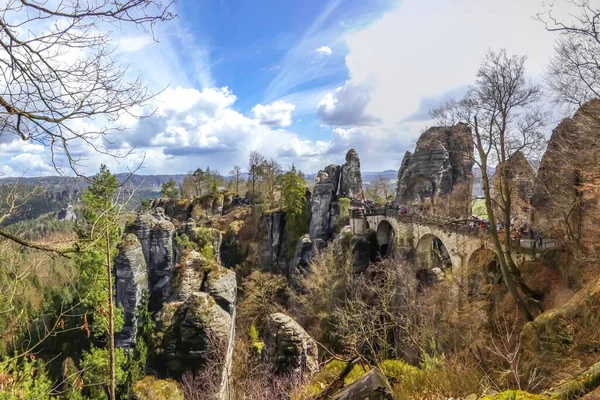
[(437, 47), (129, 44), (278, 113), (347, 106), (324, 50)]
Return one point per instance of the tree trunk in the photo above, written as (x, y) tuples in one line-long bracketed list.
[(506, 274), (111, 322)]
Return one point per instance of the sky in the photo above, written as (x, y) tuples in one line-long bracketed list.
[(300, 81)]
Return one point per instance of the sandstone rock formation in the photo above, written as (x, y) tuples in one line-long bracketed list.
[(441, 166), (569, 164), (67, 214), (521, 178), (373, 385), (320, 222), (131, 286), (277, 240), (288, 347), (351, 181), (199, 315)]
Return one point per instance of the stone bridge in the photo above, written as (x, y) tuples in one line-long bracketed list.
[(429, 240)]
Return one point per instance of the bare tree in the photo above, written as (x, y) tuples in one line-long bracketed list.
[(255, 164), (503, 110), (270, 170), (236, 172), (58, 73), (574, 70)]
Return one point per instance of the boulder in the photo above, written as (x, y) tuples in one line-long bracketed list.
[(131, 285), (442, 160), (351, 180), (288, 347), (320, 208), (363, 251), (372, 386)]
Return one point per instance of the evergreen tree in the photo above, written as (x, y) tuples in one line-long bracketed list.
[(169, 189), (100, 235)]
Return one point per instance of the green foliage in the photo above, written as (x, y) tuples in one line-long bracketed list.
[(184, 242), (293, 194), (208, 252), (264, 294), (169, 190), (231, 251), (254, 335), (479, 209), (95, 363), (21, 378)]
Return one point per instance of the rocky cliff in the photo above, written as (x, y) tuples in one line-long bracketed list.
[(521, 178), (192, 297), (569, 163), (440, 167)]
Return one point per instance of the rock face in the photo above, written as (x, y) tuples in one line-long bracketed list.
[(288, 347), (335, 173), (320, 222), (67, 214), (277, 240), (131, 286), (569, 162), (521, 177), (199, 315), (351, 180), (373, 385), (440, 166)]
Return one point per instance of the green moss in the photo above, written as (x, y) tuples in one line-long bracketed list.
[(516, 395)]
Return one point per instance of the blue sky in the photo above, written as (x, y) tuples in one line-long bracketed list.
[(300, 81)]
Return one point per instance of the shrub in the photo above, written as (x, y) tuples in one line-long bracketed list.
[(151, 388)]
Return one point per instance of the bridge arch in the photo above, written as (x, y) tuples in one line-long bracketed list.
[(385, 238), (432, 259)]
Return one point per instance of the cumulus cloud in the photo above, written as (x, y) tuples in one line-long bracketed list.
[(278, 113), (347, 106), (324, 50)]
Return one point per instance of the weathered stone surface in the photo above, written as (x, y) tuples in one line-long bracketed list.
[(67, 214), (131, 284), (521, 178), (320, 207), (288, 347), (200, 313), (222, 286), (372, 386), (277, 240), (443, 159), (570, 160), (363, 251), (335, 173), (351, 180)]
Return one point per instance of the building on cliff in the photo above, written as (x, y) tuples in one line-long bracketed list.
[(438, 175)]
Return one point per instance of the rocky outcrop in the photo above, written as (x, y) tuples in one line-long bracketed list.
[(156, 233), (67, 214), (198, 319), (373, 385), (521, 178), (320, 222), (277, 240), (131, 286), (570, 161), (289, 348), (441, 165), (351, 180), (335, 173)]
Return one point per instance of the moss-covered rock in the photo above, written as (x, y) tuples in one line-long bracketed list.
[(151, 388)]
